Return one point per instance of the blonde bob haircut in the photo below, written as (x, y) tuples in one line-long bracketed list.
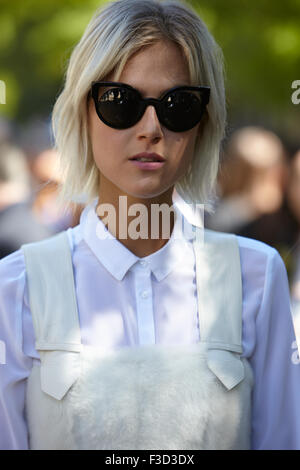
[(116, 31)]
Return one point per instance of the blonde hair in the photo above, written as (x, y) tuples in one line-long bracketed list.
[(115, 32)]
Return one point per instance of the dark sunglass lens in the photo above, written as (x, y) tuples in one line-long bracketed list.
[(182, 110), (118, 107)]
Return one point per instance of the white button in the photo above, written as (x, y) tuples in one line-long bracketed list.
[(143, 263), (144, 294)]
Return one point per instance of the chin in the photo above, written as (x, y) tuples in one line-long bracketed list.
[(147, 194)]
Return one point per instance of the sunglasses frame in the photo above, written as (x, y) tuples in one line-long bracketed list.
[(204, 91)]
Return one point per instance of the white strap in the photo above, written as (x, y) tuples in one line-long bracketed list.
[(219, 286), (52, 294)]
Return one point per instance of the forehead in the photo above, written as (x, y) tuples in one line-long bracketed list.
[(156, 68)]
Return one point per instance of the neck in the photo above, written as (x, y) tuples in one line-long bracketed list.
[(143, 229)]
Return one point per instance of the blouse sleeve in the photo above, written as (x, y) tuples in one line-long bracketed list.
[(275, 361), (17, 351)]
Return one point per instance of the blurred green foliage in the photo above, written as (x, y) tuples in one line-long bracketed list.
[(36, 39), (261, 45), (260, 41)]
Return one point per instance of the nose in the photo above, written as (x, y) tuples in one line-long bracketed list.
[(149, 125)]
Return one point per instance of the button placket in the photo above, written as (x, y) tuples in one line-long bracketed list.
[(145, 316)]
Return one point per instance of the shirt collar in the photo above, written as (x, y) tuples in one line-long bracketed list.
[(117, 259)]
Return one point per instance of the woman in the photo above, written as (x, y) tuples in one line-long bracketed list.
[(115, 341)]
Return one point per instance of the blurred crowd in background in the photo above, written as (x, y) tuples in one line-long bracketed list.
[(29, 180), (258, 196)]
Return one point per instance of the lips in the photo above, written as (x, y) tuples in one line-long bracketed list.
[(148, 157)]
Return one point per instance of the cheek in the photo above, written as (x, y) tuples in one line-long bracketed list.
[(192, 143), (186, 148), (106, 145)]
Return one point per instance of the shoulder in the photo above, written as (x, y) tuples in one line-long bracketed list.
[(257, 256), (12, 267), (264, 277), (255, 246), (12, 297), (12, 279), (262, 268), (249, 249)]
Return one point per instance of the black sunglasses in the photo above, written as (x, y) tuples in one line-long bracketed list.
[(122, 106)]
